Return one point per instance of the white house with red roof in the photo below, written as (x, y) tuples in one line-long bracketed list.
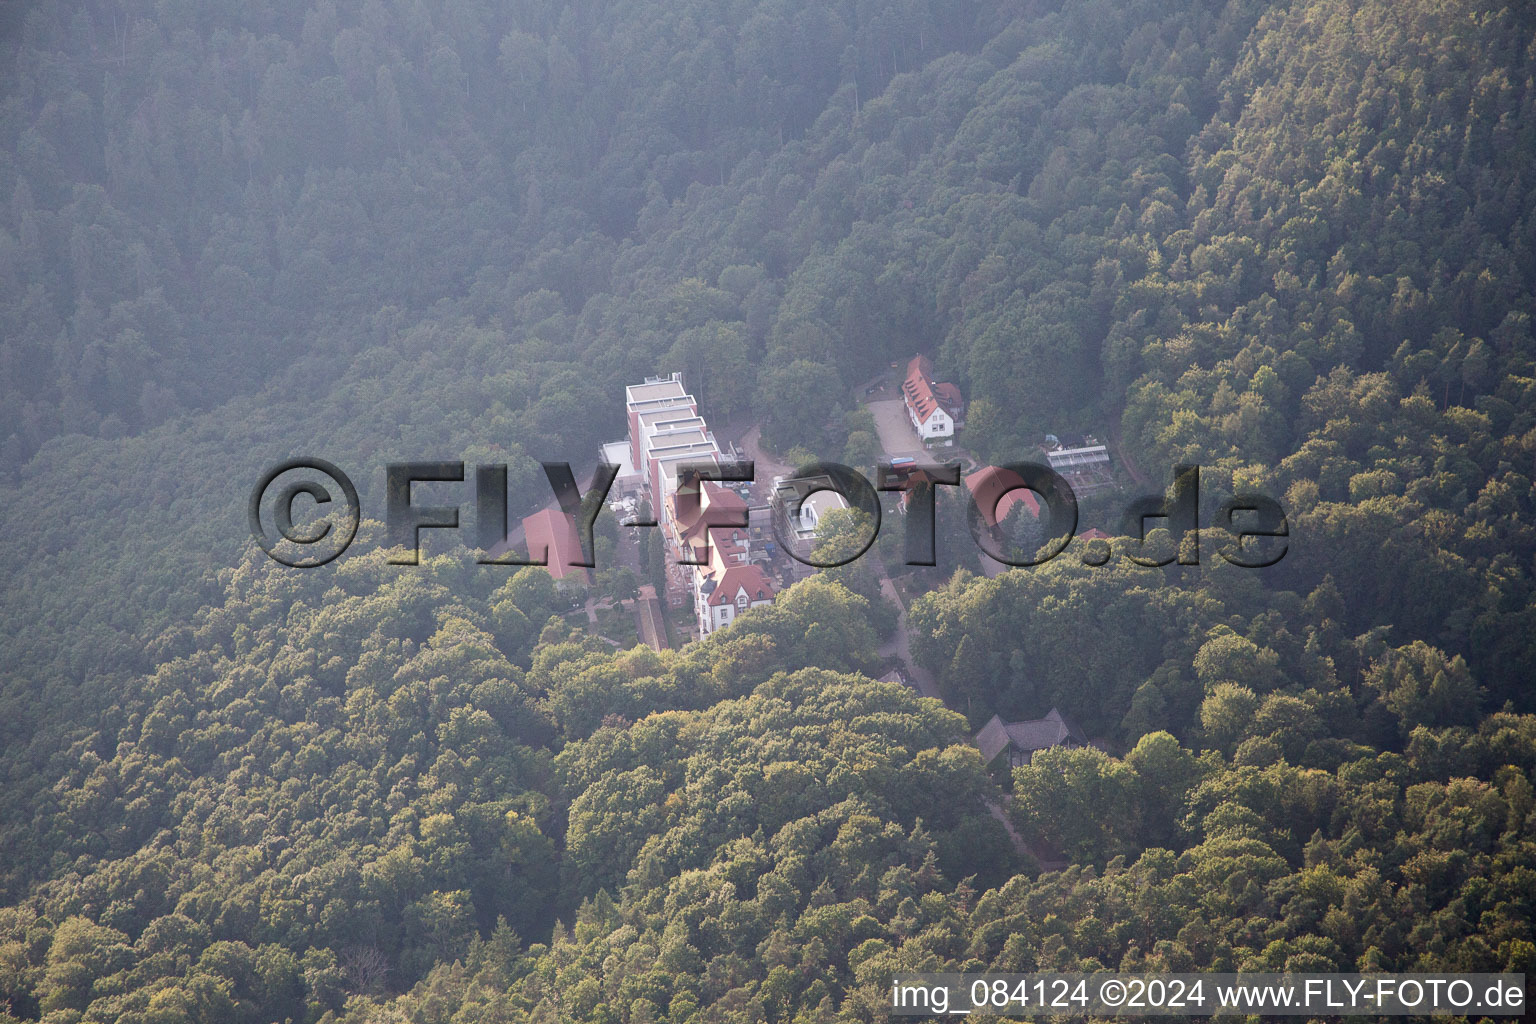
[(725, 583), (737, 589), (935, 407)]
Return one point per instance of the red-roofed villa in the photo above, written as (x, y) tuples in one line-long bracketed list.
[(935, 407)]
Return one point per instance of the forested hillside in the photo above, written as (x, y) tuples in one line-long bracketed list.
[(1290, 242)]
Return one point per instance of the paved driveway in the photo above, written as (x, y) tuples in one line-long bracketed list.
[(899, 644), (896, 434)]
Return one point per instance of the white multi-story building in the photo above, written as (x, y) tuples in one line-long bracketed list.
[(799, 503), (665, 430), (666, 433)]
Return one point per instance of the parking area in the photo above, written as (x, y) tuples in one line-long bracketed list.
[(896, 434)]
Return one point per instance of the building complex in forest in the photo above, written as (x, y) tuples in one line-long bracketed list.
[(710, 561)]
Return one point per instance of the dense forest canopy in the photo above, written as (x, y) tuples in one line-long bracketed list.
[(1290, 242)]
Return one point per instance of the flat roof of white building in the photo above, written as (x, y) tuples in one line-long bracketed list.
[(666, 421), (669, 466), (661, 443), (656, 391), (816, 505), (617, 453)]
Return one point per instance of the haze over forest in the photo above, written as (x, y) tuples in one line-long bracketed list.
[(1288, 242)]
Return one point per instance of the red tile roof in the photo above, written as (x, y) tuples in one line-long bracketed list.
[(996, 492), (913, 478), (555, 531), (737, 578), (923, 395), (720, 505)]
